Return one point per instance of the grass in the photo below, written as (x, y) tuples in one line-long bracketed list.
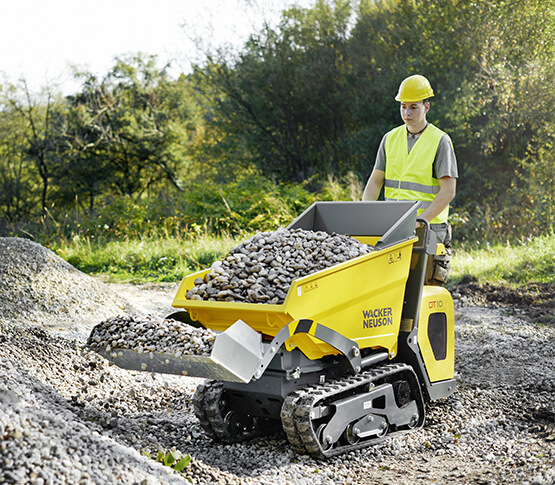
[(168, 259), (532, 261), (144, 259)]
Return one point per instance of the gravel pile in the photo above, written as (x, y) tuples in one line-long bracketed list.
[(260, 270), (151, 334), (37, 286), (60, 406), (67, 416)]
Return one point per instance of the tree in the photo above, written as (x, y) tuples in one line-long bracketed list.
[(315, 96), (130, 131), (86, 174), (284, 99), (41, 116), (17, 183)]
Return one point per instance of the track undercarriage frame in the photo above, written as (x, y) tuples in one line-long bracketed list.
[(321, 415)]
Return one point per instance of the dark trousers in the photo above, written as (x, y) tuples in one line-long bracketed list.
[(437, 272)]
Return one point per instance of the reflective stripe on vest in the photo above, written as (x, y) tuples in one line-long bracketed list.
[(409, 176)]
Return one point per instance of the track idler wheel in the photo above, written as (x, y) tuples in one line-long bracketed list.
[(350, 435), (384, 428), (414, 421), (325, 441), (239, 424)]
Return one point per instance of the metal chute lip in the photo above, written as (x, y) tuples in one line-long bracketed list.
[(190, 365)]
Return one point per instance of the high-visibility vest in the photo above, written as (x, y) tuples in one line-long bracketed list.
[(409, 176)]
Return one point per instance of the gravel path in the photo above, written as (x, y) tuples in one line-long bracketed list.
[(69, 417)]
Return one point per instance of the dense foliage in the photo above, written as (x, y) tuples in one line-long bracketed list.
[(246, 142)]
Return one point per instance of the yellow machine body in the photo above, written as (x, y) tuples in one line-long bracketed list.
[(271, 365), (361, 299), (436, 333)]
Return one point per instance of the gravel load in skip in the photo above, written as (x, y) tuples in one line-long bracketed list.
[(151, 335), (260, 270), (67, 416)]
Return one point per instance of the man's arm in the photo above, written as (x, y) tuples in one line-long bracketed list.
[(374, 185), (447, 191)]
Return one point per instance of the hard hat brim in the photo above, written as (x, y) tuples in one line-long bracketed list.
[(409, 100)]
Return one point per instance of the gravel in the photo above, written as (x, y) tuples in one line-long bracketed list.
[(150, 334), (69, 417), (39, 287), (261, 269)]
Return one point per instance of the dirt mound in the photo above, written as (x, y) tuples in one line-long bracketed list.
[(38, 286), (536, 300)]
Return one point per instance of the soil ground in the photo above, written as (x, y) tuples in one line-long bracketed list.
[(536, 300)]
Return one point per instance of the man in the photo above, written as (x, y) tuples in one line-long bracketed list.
[(416, 161)]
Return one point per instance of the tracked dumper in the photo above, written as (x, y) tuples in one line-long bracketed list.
[(348, 359)]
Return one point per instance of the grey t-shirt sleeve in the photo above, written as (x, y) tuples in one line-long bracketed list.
[(445, 162), (380, 157)]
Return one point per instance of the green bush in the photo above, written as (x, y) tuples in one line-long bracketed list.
[(250, 204)]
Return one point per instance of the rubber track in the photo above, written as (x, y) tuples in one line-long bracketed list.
[(199, 403), (208, 409), (212, 399), (288, 421), (297, 411)]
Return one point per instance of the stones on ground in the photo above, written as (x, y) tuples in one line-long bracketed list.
[(150, 335), (55, 427), (59, 428), (261, 269)]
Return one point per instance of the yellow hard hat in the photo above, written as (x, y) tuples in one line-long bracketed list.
[(413, 89)]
